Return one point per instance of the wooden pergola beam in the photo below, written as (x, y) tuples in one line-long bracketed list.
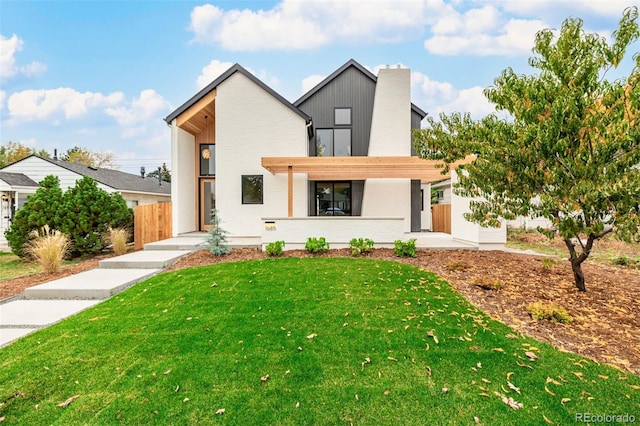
[(357, 168)]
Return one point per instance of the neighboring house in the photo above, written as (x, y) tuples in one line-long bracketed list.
[(338, 162), (20, 179)]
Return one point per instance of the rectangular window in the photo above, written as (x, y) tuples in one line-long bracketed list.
[(333, 198), (207, 160), (342, 116), (252, 189), (132, 203), (333, 142)]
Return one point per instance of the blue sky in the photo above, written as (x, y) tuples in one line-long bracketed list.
[(103, 74)]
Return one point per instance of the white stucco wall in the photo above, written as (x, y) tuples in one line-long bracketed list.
[(251, 124), (145, 198), (425, 214), (338, 230), (461, 229), (390, 136), (183, 185)]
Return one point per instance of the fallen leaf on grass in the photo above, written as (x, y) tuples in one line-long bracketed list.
[(603, 377), (2, 418), (531, 355), (68, 401), (577, 374), (509, 374), (555, 382), (312, 335), (546, 389), (546, 419), (220, 411), (514, 387), (476, 419), (298, 404), (510, 401), (432, 335), (564, 400), (390, 358), (264, 378), (387, 392), (185, 400), (167, 372), (497, 350), (524, 365), (636, 387), (445, 390)]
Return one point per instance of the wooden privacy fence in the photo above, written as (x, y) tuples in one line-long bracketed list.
[(151, 222), (441, 218)]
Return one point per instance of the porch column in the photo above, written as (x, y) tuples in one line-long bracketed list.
[(290, 191)]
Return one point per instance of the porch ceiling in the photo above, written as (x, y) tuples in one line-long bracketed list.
[(193, 119), (359, 168)]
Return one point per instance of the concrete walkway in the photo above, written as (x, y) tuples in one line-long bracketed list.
[(48, 303)]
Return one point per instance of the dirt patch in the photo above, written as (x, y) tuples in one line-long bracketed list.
[(605, 326)]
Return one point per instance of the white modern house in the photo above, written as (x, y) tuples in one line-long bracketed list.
[(337, 163)]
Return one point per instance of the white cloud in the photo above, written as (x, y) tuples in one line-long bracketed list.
[(311, 81), (135, 117), (293, 24), (47, 104), (212, 71), (610, 8), (8, 64), (437, 96), (514, 37)]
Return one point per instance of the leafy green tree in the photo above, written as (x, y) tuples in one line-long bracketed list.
[(165, 173), (568, 150), (15, 151), (87, 157), (88, 212), (42, 208)]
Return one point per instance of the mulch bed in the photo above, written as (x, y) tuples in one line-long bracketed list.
[(605, 326)]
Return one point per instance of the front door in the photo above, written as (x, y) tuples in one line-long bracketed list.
[(207, 202)]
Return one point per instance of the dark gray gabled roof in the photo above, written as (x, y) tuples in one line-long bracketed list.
[(116, 179), (17, 179), (363, 70), (228, 73)]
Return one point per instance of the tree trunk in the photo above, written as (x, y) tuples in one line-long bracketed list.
[(578, 275)]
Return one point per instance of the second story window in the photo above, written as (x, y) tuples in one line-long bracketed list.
[(342, 116), (335, 142)]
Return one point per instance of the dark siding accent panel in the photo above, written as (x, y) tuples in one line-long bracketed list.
[(312, 198), (357, 193), (350, 89), (416, 123), (416, 225)]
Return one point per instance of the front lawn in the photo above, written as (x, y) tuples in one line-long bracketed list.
[(298, 341)]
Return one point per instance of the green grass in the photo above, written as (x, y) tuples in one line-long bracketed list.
[(11, 266), (182, 345)]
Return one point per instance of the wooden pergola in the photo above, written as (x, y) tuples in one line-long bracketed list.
[(357, 168)]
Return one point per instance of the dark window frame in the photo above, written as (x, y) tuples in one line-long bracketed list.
[(333, 183), (261, 191), (212, 150), (333, 141), (335, 110)]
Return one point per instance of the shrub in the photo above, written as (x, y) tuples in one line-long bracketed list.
[(548, 263), (622, 260), (49, 248), (118, 237), (549, 311), (274, 248), (405, 248), (88, 212), (360, 246), (217, 239), (42, 208), (316, 245), (457, 266), (486, 283)]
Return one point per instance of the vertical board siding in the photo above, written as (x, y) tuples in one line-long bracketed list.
[(441, 218), (151, 222), (350, 89)]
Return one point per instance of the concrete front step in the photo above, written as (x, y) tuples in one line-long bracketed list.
[(39, 313), (195, 242), (147, 259), (92, 284)]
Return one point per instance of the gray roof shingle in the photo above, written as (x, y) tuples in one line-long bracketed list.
[(17, 179), (115, 178)]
